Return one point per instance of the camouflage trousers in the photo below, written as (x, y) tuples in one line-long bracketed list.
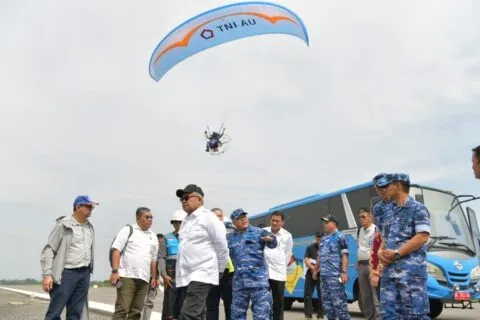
[(261, 299), (404, 297), (334, 298)]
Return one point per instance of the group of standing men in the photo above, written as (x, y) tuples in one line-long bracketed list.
[(201, 249)]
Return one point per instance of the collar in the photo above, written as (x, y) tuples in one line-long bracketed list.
[(198, 211), (269, 229), (369, 228)]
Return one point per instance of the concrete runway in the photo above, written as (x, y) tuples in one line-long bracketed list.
[(25, 308)]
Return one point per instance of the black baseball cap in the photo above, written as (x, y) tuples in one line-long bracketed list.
[(189, 189), (330, 218)]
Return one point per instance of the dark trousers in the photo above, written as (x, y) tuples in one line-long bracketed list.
[(71, 293), (192, 300), (278, 292), (309, 287), (130, 299), (224, 291)]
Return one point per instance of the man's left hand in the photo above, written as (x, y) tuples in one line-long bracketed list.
[(154, 283), (389, 254)]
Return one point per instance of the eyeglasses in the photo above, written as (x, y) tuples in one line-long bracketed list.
[(188, 196), (149, 217)]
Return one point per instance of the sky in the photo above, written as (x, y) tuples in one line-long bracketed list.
[(382, 87)]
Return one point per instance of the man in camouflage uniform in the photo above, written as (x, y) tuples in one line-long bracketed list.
[(333, 262), (403, 291), (380, 213), (381, 208), (250, 280)]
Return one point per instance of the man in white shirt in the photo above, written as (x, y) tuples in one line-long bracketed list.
[(368, 294), (202, 254), (277, 261), (134, 265)]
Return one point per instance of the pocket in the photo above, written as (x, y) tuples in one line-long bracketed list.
[(417, 296)]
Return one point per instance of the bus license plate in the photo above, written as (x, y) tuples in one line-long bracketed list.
[(462, 295)]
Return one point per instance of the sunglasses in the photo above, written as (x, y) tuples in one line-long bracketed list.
[(89, 206), (188, 196)]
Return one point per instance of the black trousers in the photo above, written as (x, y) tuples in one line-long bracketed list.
[(309, 287), (192, 300), (278, 292), (224, 291)]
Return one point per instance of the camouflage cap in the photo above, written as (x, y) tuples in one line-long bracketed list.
[(237, 213), (391, 177)]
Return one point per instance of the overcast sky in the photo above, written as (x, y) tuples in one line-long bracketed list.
[(382, 87)]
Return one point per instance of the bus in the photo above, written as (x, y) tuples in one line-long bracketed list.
[(453, 248)]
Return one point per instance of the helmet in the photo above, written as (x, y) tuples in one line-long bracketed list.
[(178, 215)]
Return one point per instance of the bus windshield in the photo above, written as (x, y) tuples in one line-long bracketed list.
[(451, 229)]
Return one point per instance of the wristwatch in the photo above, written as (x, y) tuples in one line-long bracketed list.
[(396, 255), (114, 270)]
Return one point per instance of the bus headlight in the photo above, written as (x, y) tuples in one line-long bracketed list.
[(435, 271), (475, 274)]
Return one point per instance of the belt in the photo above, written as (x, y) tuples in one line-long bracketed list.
[(363, 261), (78, 269)]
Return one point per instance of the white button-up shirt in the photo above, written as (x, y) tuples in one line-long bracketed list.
[(140, 251), (203, 249), (277, 258), (365, 241)]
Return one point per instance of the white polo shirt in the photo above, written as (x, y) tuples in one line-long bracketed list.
[(140, 251), (277, 258), (365, 242), (203, 249)]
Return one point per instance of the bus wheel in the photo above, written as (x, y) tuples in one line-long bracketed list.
[(287, 304), (436, 307)]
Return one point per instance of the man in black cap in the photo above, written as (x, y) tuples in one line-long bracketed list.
[(202, 254), (310, 259)]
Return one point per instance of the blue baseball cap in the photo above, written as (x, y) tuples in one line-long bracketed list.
[(391, 177), (84, 199), (237, 213), (378, 177)]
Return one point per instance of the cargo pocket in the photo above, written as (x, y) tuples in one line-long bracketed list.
[(418, 297)]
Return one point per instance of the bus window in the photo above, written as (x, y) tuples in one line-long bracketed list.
[(336, 209), (360, 198), (305, 220), (261, 222)]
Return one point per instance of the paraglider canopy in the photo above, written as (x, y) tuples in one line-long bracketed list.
[(220, 25)]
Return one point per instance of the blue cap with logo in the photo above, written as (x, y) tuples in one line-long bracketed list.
[(378, 177), (84, 199), (237, 213), (391, 177)]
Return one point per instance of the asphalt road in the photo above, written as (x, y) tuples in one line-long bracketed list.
[(35, 309)]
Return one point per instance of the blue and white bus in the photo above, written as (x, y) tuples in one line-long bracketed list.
[(453, 263)]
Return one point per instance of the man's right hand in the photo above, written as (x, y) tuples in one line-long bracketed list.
[(168, 281), (47, 283), (114, 278)]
